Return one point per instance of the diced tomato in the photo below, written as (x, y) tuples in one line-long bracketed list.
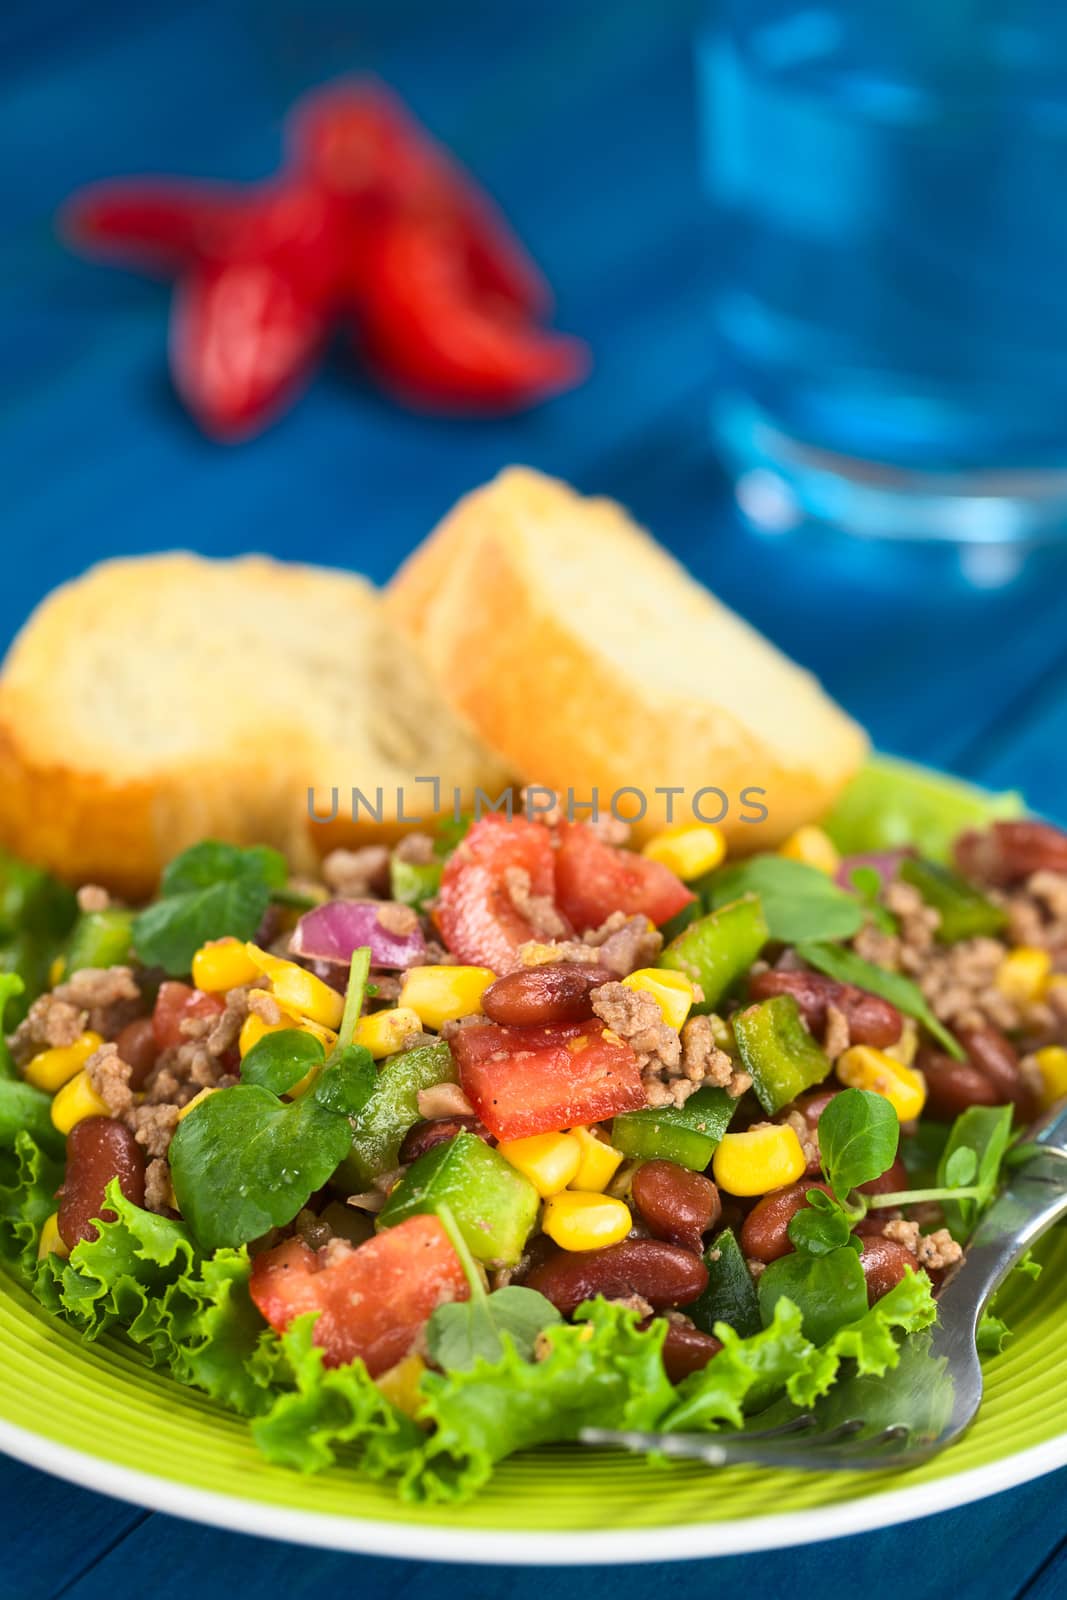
[(593, 879), (372, 1298), (538, 1080), (476, 911), (174, 1004)]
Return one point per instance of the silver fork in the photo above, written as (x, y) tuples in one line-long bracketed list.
[(845, 1432)]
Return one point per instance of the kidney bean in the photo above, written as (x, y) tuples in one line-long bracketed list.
[(136, 1044), (893, 1179), (871, 1020), (953, 1086), (996, 1057), (884, 1264), (424, 1135), (685, 1349), (1008, 852), (663, 1274), (556, 992), (676, 1204), (812, 1106), (98, 1149), (765, 1231)]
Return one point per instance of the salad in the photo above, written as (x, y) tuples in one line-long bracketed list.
[(519, 1129)]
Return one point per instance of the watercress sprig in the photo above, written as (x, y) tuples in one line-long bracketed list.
[(464, 1332)]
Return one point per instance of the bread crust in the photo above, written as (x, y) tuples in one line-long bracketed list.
[(561, 713)]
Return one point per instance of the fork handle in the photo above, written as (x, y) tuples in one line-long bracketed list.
[(1032, 1203)]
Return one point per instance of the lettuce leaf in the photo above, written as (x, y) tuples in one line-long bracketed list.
[(600, 1371), (332, 1406), (892, 803), (192, 1316), (29, 1178), (748, 1373)]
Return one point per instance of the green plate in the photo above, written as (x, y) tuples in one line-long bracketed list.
[(97, 1415)]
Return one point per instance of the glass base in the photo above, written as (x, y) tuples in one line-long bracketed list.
[(780, 483)]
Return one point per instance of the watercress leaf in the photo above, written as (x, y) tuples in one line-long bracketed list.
[(858, 1137), (280, 1060), (210, 891), (985, 1132), (244, 1162), (829, 1289), (798, 901), (847, 967), (348, 1082), (961, 1167), (466, 1331), (820, 1231)]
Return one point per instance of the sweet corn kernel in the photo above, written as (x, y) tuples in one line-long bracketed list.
[(549, 1160), (76, 1101), (444, 994), (1023, 974), (672, 992), (598, 1165), (299, 990), (813, 847), (56, 971), (864, 1067), (759, 1160), (906, 1046), (51, 1241), (384, 1032), (197, 1100), (400, 1385), (689, 849), (1052, 1065), (51, 1069), (578, 1221), (223, 964)]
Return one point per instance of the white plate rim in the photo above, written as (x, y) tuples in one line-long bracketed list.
[(496, 1547)]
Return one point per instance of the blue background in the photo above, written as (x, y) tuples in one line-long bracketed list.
[(580, 117)]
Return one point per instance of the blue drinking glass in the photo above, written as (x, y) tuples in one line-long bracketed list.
[(889, 179)]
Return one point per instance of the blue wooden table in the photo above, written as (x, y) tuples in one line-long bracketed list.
[(581, 118)]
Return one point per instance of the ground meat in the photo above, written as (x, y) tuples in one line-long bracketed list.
[(634, 1302), (538, 910), (1037, 913), (611, 829), (158, 1193), (935, 1250), (49, 1024), (704, 1062), (153, 1127), (110, 1078), (109, 996), (416, 848), (756, 1268), (636, 1017), (200, 1061), (535, 953), (906, 950), (91, 897), (226, 1030), (838, 1035), (959, 982), (443, 1100), (625, 943), (397, 919), (265, 1007), (357, 874)]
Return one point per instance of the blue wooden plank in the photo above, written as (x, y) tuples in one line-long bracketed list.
[(53, 1531)]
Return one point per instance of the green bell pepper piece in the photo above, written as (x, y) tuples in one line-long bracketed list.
[(414, 883), (393, 1108), (966, 913), (731, 1292), (778, 1051), (685, 1134), (100, 939), (718, 949), (495, 1206)]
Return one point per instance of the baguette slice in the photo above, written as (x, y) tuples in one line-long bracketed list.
[(158, 701), (586, 656)]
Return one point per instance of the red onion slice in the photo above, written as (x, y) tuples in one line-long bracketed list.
[(332, 931)]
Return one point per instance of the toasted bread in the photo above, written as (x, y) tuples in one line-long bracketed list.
[(158, 701), (584, 655)]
